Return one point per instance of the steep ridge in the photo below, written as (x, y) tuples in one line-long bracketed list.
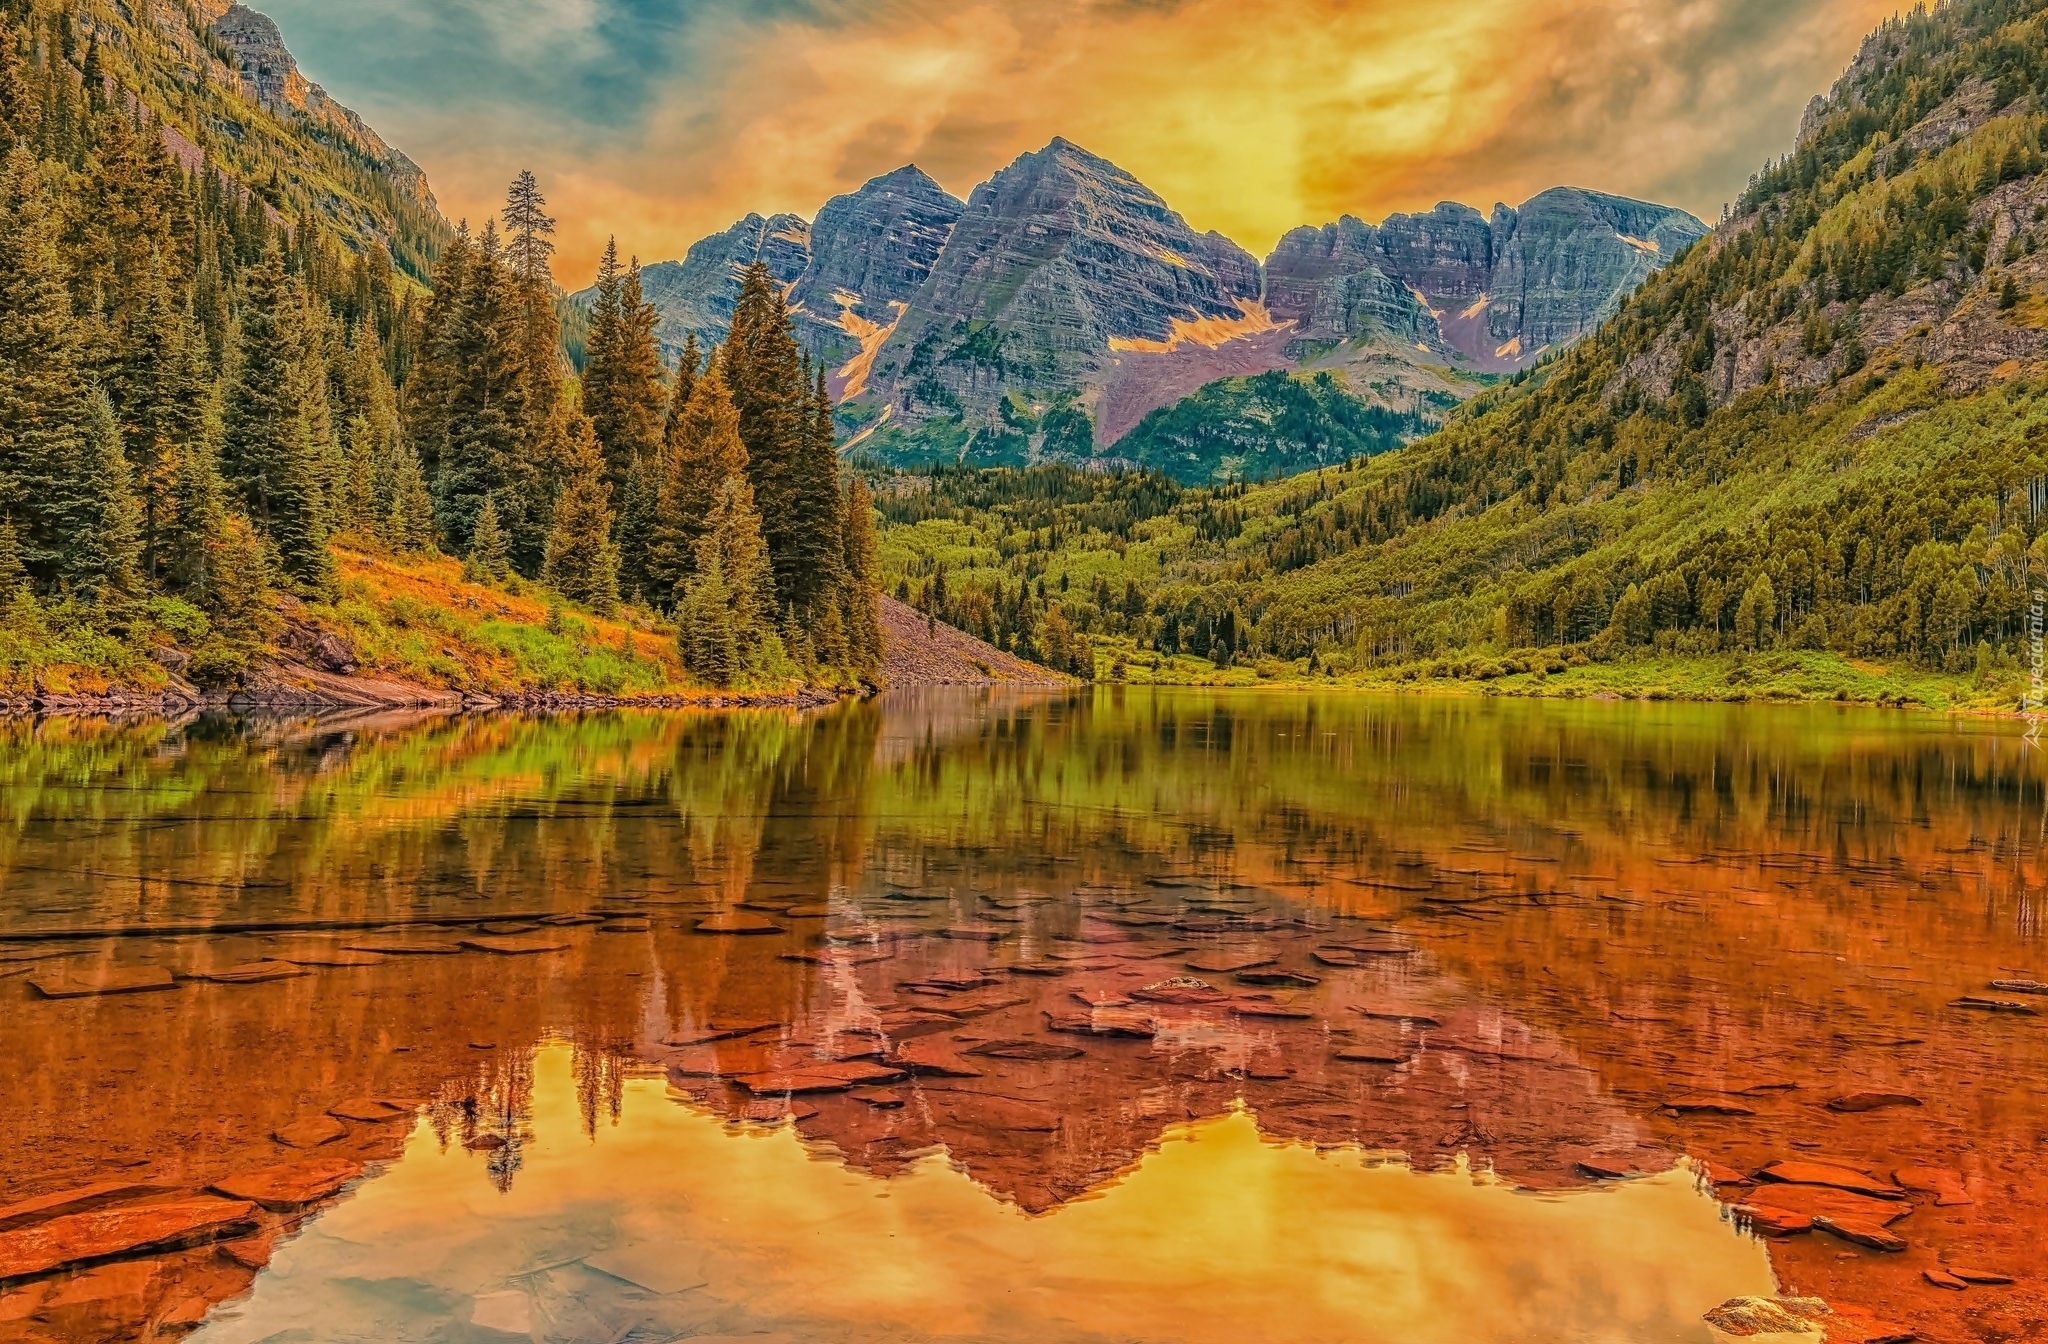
[(226, 93), (1065, 301), (871, 251)]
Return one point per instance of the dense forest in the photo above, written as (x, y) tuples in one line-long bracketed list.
[(1820, 429), (201, 394)]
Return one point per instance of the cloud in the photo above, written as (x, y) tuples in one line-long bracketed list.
[(663, 120)]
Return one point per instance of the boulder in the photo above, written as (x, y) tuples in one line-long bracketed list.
[(1743, 1317), (332, 653), (81, 1200)]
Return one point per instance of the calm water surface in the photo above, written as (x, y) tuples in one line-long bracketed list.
[(1119, 1016)]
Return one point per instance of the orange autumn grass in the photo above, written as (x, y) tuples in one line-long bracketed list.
[(417, 619)]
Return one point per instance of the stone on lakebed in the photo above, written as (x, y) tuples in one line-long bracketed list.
[(1857, 1102), (87, 982), (102, 1234), (288, 1185), (311, 1132), (738, 922), (1828, 1173)]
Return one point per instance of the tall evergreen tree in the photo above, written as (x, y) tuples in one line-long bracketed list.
[(765, 370), (485, 404), (102, 526), (582, 564), (42, 406), (860, 581), (725, 624), (534, 474), (817, 539), (622, 392), (703, 451), (166, 389), (268, 451), (430, 389)]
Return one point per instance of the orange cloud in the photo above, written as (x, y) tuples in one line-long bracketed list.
[(1249, 116)]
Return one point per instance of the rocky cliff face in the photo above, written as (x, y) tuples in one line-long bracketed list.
[(1065, 300), (1060, 261), (697, 294), (871, 251), (1487, 294), (271, 79)]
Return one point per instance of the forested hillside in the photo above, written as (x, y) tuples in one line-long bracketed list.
[(221, 401), (1821, 430)]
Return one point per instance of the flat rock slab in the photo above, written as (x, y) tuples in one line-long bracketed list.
[(369, 1110), (1128, 1022), (1775, 1222), (1855, 1102), (81, 983), (516, 945), (86, 1197), (254, 973), (811, 910), (1697, 1104), (738, 922), (1026, 1050), (1224, 963), (625, 926), (935, 1059), (1984, 1003), (976, 933), (790, 1082), (1861, 1232), (1825, 1173), (506, 927), (404, 947), (291, 1184), (1374, 1054), (1970, 1274), (570, 921), (716, 1031), (1815, 1200), (1278, 1011), (771, 1112), (103, 1234), (336, 957), (311, 1132)]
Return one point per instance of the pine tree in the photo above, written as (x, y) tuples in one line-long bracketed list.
[(167, 391), (485, 404), (42, 402), (18, 119), (582, 564), (726, 621), (534, 474), (405, 504), (817, 540), (488, 561), (702, 452), (102, 535), (13, 574), (268, 452), (765, 370), (430, 388), (622, 391), (680, 388), (861, 585)]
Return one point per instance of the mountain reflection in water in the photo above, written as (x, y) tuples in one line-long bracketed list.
[(672, 1223), (1023, 974)]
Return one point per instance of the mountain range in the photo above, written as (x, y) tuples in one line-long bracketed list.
[(1063, 291)]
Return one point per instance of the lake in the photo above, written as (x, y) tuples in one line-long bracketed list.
[(1104, 1015)]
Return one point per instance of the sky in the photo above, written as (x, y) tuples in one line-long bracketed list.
[(660, 121)]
